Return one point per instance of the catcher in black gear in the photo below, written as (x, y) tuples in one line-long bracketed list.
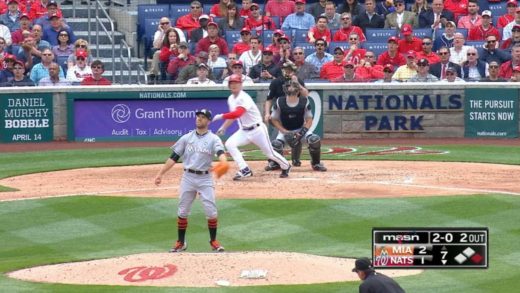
[(292, 117)]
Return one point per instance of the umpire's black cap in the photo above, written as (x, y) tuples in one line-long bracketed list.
[(363, 264), (204, 112)]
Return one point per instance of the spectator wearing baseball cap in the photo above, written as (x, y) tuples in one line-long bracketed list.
[(405, 17), (6, 67), (494, 67), (238, 68), (202, 76), (423, 75), (50, 10), (486, 28), (451, 76), (190, 21), (349, 73), (81, 69), (244, 44), (405, 72), (175, 65), (507, 32), (505, 19), (202, 31), (190, 71), (25, 25), (392, 55), (19, 78), (299, 19), (372, 280), (409, 41), (39, 9), (212, 38), (258, 22), (334, 69), (342, 35), (388, 71), (266, 70), (447, 37), (516, 74), (11, 18), (50, 32), (472, 19)]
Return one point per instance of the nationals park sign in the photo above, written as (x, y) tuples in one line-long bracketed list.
[(26, 117)]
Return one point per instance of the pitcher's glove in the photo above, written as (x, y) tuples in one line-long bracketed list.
[(220, 169), (292, 138)]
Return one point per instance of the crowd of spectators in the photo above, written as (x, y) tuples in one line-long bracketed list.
[(38, 47), (467, 42)]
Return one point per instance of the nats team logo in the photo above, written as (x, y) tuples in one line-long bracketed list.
[(141, 274), (120, 113)]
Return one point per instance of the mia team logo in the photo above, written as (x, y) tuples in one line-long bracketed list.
[(120, 113)]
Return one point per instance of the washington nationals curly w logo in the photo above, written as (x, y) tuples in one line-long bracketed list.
[(120, 113), (141, 274)]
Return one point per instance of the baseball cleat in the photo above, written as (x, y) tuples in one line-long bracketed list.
[(246, 172), (179, 246), (285, 173), (296, 163), (215, 246), (319, 167), (271, 166)]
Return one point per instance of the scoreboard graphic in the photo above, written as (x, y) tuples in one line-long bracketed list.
[(419, 248)]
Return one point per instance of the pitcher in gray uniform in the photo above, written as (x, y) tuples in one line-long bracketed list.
[(197, 149)]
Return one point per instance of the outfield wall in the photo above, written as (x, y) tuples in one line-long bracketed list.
[(345, 110)]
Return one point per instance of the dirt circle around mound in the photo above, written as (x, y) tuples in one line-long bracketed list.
[(344, 179), (202, 270)]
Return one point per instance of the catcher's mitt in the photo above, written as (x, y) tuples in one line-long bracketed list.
[(220, 169), (292, 138)]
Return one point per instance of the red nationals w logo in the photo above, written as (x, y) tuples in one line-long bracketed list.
[(141, 274)]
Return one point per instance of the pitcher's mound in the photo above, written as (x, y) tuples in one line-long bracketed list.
[(202, 270)]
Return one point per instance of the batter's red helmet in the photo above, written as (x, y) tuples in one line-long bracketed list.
[(235, 78)]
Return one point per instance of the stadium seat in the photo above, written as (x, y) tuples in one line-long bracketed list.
[(308, 48), (276, 20), (63, 62), (464, 32), (423, 32), (178, 10), (333, 45), (150, 28), (476, 44), (377, 48), (267, 37), (149, 11), (232, 37), (299, 35), (378, 35), (499, 8)]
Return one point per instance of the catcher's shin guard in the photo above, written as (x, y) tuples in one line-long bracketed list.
[(296, 153), (314, 142)]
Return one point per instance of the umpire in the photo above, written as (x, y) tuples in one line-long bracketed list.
[(374, 282)]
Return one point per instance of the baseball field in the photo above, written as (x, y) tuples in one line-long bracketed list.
[(67, 202)]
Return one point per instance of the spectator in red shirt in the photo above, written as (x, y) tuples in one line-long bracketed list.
[(506, 69), (96, 79), (280, 8), (39, 8), (505, 19), (368, 70), (244, 43), (481, 32), (169, 50), (319, 31), (334, 69), (349, 73), (355, 53), (219, 9), (284, 54), (190, 21), (183, 59), (245, 11), (392, 55), (515, 39), (275, 45), (471, 20), (25, 25), (257, 22), (458, 7), (342, 35), (427, 53), (409, 42), (212, 38)]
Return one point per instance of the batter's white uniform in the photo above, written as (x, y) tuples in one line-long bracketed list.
[(251, 130)]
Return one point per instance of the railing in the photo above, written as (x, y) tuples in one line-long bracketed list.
[(141, 72), (126, 61), (110, 34)]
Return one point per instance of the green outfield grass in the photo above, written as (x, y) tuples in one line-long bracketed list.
[(36, 232)]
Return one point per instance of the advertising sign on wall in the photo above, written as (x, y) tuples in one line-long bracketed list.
[(26, 117), (491, 113)]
